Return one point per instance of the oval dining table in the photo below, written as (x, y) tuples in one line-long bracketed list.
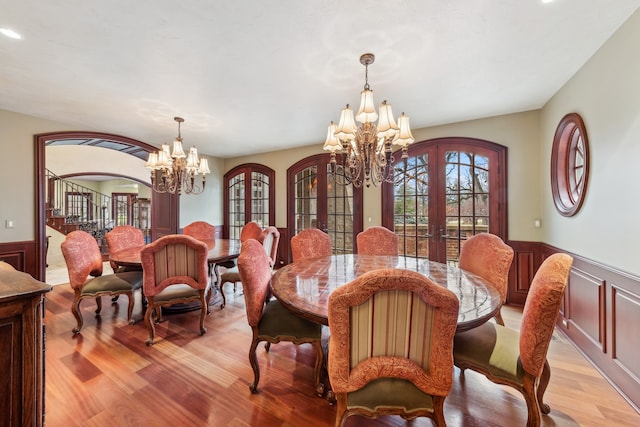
[(304, 286)]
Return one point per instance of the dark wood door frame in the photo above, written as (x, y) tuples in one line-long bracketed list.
[(40, 191)]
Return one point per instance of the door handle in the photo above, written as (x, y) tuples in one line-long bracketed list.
[(443, 233)]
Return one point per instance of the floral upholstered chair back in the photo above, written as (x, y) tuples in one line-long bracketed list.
[(377, 240), (541, 311), (270, 238), (82, 256), (122, 237), (251, 230), (174, 259), (202, 231), (489, 257), (255, 272), (310, 243), (395, 324)]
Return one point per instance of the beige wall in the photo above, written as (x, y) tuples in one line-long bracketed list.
[(606, 93), (518, 132)]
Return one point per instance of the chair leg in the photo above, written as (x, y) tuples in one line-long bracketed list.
[(203, 312), (438, 411), (498, 318), (224, 299), (529, 390), (149, 322), (75, 309), (130, 308), (253, 360), (317, 345), (99, 305), (341, 409), (542, 387)]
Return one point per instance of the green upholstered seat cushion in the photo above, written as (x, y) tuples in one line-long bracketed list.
[(178, 291), (277, 321), (118, 282), (492, 348), (390, 393)]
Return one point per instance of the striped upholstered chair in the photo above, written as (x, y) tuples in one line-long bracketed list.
[(519, 359), (390, 351), (175, 272), (489, 257), (84, 265), (377, 240)]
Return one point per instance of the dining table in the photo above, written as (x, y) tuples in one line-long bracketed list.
[(304, 286), (221, 251)]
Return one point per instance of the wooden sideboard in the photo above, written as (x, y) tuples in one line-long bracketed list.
[(21, 348)]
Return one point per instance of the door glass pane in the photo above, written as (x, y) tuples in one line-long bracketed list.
[(236, 205), (339, 213), (306, 202), (411, 206), (260, 199), (467, 199)]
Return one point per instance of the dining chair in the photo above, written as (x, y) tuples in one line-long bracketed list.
[(122, 237), (175, 272), (377, 240), (390, 351), (310, 243), (251, 230), (200, 230), (269, 320), (489, 257), (84, 265), (519, 358)]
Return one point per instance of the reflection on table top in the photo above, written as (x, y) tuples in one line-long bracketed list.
[(220, 250), (304, 287)]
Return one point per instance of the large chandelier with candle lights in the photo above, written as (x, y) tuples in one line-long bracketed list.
[(176, 172), (365, 150)]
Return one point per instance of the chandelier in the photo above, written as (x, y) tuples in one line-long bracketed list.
[(366, 149), (176, 172)]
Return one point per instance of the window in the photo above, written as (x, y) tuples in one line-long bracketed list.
[(569, 164), (249, 195), (448, 190)]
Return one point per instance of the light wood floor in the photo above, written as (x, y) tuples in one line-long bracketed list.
[(106, 376)]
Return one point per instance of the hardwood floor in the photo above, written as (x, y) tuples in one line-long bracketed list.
[(107, 376)]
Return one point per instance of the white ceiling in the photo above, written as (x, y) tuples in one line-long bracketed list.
[(251, 76)]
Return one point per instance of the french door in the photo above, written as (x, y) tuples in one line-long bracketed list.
[(315, 200), (448, 190)]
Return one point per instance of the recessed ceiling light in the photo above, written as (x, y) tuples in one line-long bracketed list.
[(547, 1), (10, 33)]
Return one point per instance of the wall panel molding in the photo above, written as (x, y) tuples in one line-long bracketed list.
[(21, 255)]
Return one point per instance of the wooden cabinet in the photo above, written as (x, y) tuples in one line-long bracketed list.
[(21, 348)]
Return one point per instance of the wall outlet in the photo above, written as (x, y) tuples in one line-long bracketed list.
[(9, 224)]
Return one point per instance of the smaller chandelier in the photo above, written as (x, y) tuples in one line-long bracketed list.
[(176, 172), (366, 149)]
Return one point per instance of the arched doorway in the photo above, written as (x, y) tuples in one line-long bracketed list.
[(164, 214)]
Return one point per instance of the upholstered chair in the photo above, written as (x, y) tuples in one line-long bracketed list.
[(489, 257), (390, 351), (377, 240), (519, 358), (175, 272), (123, 237), (269, 320), (201, 230), (310, 243), (251, 230), (84, 265)]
